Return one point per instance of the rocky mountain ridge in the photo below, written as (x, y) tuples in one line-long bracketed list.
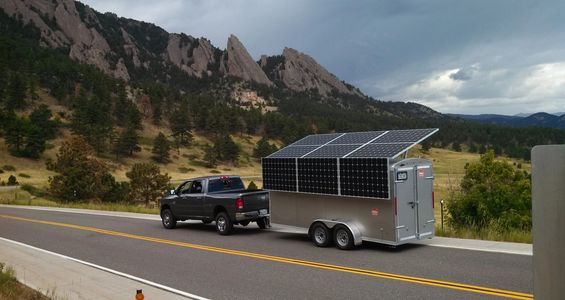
[(131, 49)]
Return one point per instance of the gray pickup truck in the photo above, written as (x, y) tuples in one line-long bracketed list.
[(222, 199)]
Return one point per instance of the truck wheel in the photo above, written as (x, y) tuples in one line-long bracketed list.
[(244, 223), (321, 235), (168, 219), (262, 223), (343, 237), (224, 225)]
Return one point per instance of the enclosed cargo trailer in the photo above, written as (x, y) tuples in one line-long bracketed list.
[(353, 187)]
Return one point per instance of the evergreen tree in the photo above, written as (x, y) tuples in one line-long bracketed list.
[(147, 183), (181, 126), (41, 117), (92, 120), (211, 156), (426, 145), (227, 149), (161, 148), (252, 186), (17, 90), (24, 138), (127, 143), (263, 148)]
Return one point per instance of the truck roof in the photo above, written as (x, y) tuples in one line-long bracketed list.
[(210, 177)]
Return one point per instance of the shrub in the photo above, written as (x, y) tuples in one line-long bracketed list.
[(215, 172), (35, 191), (252, 186), (494, 195), (8, 168), (12, 180), (147, 183), (24, 175), (185, 170)]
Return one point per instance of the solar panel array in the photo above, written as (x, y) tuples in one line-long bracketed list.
[(348, 164)]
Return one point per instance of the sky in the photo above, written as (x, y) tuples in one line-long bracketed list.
[(470, 57)]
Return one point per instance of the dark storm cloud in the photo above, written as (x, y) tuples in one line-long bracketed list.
[(456, 56)]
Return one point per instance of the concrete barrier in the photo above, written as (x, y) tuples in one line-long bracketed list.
[(548, 213)]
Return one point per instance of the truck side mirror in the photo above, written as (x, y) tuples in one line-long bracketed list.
[(172, 192)]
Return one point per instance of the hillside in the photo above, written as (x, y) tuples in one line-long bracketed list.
[(540, 119), (119, 82)]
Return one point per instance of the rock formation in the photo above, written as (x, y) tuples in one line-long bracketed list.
[(240, 64)]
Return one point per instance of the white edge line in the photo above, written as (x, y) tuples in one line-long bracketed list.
[(99, 213), (88, 212), (128, 276)]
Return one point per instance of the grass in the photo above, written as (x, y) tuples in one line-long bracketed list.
[(22, 197), (11, 289), (491, 234)]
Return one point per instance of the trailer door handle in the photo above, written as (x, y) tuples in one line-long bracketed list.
[(411, 203)]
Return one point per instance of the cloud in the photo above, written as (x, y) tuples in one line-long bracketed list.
[(503, 91), (496, 51)]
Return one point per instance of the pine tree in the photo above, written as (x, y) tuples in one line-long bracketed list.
[(263, 148), (161, 148), (147, 183), (92, 120), (41, 117), (227, 149), (181, 125), (211, 156), (127, 142), (17, 90)]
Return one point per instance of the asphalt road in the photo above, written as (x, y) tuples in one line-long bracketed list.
[(261, 264)]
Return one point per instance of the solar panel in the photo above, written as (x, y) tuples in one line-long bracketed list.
[(357, 137), (292, 151), (317, 175), (279, 174), (381, 150), (332, 151), (364, 177), (404, 136), (316, 139), (351, 164)]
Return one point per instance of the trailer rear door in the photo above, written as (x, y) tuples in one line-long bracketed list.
[(405, 186), (424, 201)]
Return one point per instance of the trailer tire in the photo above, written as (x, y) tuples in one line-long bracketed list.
[(262, 223), (168, 219), (320, 234), (224, 225), (343, 237)]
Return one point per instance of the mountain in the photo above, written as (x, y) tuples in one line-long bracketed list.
[(540, 119), (131, 49)]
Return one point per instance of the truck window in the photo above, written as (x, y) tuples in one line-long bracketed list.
[(218, 185), (196, 187), (185, 187)]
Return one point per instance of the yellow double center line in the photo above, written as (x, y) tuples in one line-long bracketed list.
[(311, 264)]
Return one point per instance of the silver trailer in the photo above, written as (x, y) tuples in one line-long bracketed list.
[(352, 187)]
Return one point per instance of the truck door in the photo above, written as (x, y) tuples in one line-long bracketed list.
[(405, 185), (194, 199), (424, 201)]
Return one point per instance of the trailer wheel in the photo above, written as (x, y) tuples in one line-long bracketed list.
[(224, 225), (343, 237), (168, 219), (320, 235), (262, 222)]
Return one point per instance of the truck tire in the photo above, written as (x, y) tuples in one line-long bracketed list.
[(320, 235), (168, 219), (224, 225), (262, 223), (343, 238)]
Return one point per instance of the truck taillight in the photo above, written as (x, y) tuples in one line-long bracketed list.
[(239, 203), (433, 200)]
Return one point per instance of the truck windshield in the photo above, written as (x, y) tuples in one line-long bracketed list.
[(218, 185)]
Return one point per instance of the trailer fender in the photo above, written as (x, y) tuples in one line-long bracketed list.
[(357, 235)]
